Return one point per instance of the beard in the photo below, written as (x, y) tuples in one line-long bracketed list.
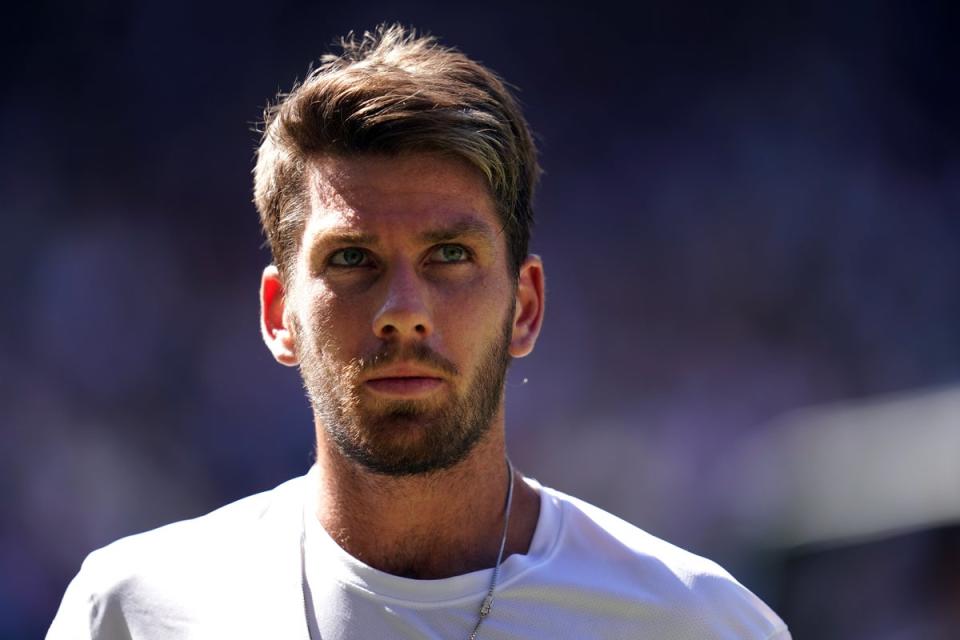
[(405, 437)]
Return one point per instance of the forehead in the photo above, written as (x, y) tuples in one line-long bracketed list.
[(392, 194)]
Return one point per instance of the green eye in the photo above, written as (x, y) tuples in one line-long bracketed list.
[(349, 257), (450, 253)]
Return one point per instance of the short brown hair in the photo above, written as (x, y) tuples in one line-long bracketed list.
[(392, 91)]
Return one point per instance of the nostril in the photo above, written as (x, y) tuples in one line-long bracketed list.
[(388, 330), (421, 329)]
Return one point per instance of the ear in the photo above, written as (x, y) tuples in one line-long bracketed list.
[(528, 316), (273, 321)]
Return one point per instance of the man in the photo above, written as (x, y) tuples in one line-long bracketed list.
[(394, 186)]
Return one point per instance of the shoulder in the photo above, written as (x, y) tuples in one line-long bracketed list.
[(172, 572), (204, 539), (672, 588)]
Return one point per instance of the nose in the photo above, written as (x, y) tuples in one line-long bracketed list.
[(405, 312)]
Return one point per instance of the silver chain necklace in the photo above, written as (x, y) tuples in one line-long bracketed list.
[(485, 606)]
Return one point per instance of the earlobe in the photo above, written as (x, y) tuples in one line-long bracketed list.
[(274, 326), (528, 315)]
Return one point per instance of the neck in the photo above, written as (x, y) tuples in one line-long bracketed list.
[(426, 526)]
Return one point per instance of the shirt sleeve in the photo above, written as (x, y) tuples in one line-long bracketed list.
[(87, 611)]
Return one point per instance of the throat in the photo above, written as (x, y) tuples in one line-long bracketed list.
[(430, 560), (414, 536)]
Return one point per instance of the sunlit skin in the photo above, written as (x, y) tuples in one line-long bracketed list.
[(400, 299)]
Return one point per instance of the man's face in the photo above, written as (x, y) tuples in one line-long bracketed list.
[(402, 309)]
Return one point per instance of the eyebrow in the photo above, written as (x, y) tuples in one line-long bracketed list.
[(347, 237), (466, 226)]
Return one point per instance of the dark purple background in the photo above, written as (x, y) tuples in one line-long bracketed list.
[(747, 208)]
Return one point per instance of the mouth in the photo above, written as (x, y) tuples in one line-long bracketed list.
[(404, 386), (404, 381)]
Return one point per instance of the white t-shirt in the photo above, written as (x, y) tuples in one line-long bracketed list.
[(237, 573), (587, 574)]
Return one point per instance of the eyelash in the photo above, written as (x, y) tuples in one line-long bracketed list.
[(365, 256), (366, 259), (467, 255)]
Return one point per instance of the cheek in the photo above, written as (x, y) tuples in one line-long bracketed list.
[(337, 326), (471, 315), (487, 290)]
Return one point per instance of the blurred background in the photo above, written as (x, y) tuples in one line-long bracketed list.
[(750, 220)]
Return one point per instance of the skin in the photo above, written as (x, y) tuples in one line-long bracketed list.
[(401, 296)]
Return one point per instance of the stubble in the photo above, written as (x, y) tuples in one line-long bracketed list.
[(408, 437)]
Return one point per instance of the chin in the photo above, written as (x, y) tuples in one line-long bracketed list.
[(405, 445)]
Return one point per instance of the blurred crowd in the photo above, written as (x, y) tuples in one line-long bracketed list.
[(746, 211)]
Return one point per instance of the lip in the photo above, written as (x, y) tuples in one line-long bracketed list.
[(404, 382), (405, 386)]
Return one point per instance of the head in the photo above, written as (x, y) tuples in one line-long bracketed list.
[(394, 187)]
